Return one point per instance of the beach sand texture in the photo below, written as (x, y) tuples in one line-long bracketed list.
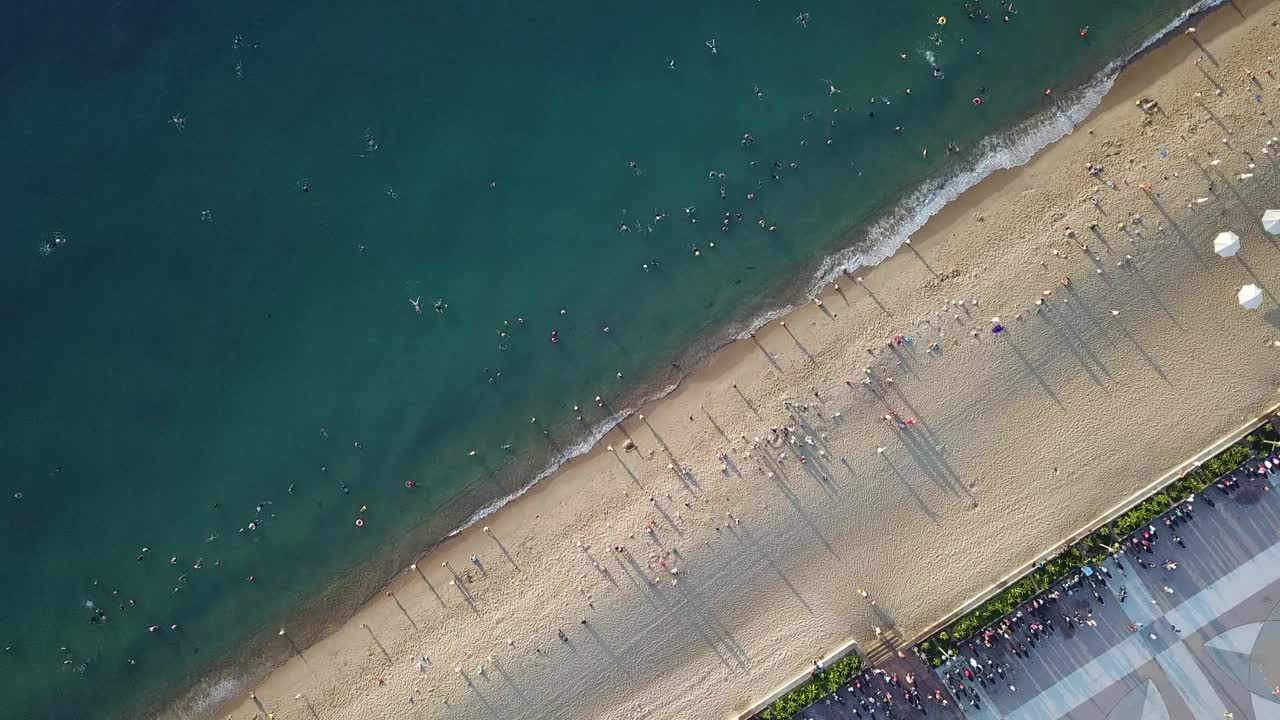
[(1019, 439)]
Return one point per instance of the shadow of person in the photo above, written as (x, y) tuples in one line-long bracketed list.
[(1273, 316)]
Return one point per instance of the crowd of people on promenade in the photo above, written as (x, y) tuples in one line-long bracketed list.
[(875, 690), (981, 663)]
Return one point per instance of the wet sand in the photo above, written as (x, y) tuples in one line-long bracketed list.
[(1017, 440)]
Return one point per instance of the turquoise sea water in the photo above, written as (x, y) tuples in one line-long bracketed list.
[(215, 218)]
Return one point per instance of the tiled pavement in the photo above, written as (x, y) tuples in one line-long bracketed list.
[(1225, 601)]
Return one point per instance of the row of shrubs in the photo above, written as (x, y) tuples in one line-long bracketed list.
[(810, 691), (1094, 548)]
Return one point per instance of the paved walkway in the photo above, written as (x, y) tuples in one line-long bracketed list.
[(1207, 643)]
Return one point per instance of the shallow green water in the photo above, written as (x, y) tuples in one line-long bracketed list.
[(166, 371)]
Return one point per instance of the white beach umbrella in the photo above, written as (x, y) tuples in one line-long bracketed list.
[(1271, 221), (1250, 297), (1227, 244)]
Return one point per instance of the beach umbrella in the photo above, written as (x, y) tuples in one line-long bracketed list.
[(1250, 297), (1271, 221), (1227, 244)]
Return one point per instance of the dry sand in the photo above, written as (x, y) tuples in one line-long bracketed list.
[(1020, 439)]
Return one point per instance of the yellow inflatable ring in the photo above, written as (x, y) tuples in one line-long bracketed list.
[(942, 19)]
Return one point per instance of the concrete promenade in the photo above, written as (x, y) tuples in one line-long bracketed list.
[(1196, 642)]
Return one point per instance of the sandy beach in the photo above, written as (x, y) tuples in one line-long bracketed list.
[(708, 549)]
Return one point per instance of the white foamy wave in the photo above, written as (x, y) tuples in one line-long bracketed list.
[(1000, 152), (760, 321), (582, 447), (214, 694), (1196, 9)]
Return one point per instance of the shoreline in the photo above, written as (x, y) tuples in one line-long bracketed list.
[(830, 268), (734, 351)]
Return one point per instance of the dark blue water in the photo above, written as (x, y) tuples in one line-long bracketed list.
[(215, 218)]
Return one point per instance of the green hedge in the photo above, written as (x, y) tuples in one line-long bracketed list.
[(1141, 515), (811, 690), (1093, 549), (1097, 546), (1223, 462), (1266, 432)]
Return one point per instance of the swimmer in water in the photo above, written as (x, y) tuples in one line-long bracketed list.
[(440, 305), (831, 87), (417, 304), (711, 45)]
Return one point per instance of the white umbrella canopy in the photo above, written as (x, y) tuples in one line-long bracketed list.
[(1227, 244), (1250, 297), (1271, 221)]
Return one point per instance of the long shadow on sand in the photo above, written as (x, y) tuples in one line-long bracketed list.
[(1031, 370), (933, 517)]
